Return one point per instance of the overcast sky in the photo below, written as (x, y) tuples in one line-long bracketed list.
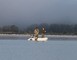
[(25, 12)]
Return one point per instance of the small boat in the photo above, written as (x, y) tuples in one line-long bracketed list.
[(39, 39)]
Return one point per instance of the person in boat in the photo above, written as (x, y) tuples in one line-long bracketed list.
[(43, 31), (36, 31)]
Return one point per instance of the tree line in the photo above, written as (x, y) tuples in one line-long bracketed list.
[(9, 29), (50, 29)]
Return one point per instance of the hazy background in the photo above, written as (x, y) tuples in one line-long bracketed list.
[(26, 12)]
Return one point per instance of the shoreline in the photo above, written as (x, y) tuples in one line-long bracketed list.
[(26, 36)]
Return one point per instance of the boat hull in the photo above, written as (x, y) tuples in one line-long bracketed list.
[(39, 39)]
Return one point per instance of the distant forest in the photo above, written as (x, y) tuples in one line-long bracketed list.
[(50, 29)]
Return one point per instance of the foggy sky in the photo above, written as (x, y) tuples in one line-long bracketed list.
[(25, 12)]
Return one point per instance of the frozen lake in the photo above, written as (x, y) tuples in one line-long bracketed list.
[(32, 50)]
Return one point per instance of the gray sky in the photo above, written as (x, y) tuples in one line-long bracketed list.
[(25, 12)]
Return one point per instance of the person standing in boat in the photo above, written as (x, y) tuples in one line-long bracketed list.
[(36, 31), (43, 31)]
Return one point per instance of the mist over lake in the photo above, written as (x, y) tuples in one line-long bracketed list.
[(26, 12)]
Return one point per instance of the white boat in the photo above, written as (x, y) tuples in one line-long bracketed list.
[(39, 39)]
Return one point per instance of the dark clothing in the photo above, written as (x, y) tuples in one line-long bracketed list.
[(43, 31), (42, 35)]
